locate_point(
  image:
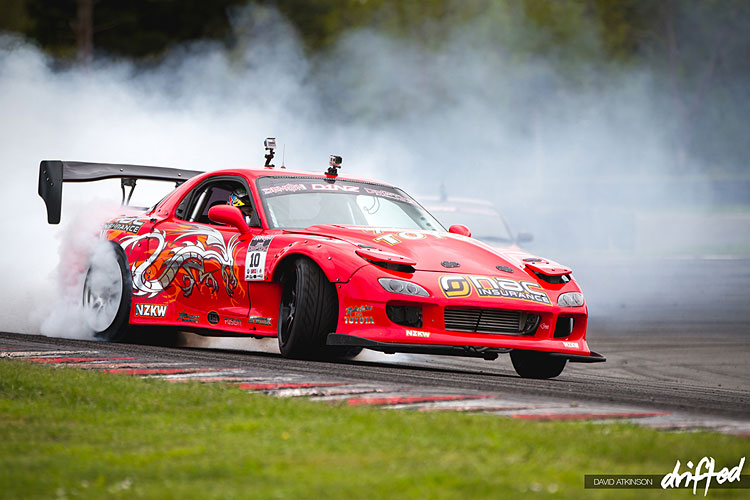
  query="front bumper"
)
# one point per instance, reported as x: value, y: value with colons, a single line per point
x: 364, y: 322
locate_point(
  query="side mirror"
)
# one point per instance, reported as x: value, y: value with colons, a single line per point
x: 460, y: 229
x: 524, y: 238
x: 229, y: 215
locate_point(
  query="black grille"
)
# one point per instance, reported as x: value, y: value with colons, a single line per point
x: 564, y: 327
x: 500, y: 321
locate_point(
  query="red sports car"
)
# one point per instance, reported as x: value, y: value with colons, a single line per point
x: 329, y: 264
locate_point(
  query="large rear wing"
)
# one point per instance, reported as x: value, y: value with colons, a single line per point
x: 52, y: 174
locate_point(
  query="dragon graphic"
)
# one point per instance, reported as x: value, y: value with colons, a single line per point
x: 195, y: 248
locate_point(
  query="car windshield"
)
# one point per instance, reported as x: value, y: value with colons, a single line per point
x: 486, y: 223
x: 299, y: 202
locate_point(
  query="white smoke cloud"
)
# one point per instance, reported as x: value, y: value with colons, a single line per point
x: 467, y: 115
x: 80, y: 249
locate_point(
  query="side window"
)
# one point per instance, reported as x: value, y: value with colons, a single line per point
x: 212, y: 196
x: 195, y: 207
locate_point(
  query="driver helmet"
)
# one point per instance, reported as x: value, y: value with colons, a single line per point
x: 241, y: 200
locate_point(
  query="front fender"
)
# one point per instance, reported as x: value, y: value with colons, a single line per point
x: 336, y: 258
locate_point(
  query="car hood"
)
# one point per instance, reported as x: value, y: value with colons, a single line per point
x: 434, y: 251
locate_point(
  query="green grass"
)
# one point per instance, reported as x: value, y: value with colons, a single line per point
x: 67, y: 432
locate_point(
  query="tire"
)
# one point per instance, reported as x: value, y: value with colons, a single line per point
x: 308, y: 312
x: 535, y: 364
x: 107, y: 295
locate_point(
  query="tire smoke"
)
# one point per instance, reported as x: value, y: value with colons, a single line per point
x: 589, y: 168
x: 80, y: 249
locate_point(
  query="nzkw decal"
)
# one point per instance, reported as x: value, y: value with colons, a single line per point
x: 150, y: 310
x: 456, y: 286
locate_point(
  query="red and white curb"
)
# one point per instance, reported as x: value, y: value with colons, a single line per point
x: 381, y: 395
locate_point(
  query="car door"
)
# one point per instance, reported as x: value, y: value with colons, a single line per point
x: 203, y: 262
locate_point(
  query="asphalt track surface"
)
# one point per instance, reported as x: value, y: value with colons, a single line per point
x: 676, y: 333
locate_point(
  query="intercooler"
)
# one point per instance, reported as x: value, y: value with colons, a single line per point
x: 498, y: 321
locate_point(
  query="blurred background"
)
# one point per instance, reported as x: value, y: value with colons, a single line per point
x: 616, y: 132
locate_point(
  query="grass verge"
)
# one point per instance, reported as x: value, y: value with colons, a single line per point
x: 72, y: 433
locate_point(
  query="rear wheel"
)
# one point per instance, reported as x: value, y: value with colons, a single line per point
x: 535, y: 364
x: 308, y: 313
x: 107, y: 294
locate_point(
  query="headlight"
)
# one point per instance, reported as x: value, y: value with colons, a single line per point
x: 403, y: 287
x: 570, y: 299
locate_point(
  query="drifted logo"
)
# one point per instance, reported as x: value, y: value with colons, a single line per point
x: 150, y: 310
x: 213, y: 317
x: 705, y: 470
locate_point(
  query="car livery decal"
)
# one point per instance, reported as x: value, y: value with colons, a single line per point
x: 188, y: 318
x: 190, y: 252
x: 255, y: 264
x: 286, y: 187
x: 150, y: 310
x: 354, y: 315
x: 126, y: 224
x: 259, y: 320
x: 393, y: 238
x: 460, y: 286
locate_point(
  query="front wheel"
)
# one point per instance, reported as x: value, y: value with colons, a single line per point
x: 535, y: 364
x: 308, y: 313
x: 107, y: 293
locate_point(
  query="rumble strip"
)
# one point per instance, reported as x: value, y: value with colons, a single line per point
x: 388, y: 396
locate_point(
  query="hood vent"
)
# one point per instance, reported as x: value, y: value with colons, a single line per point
x: 554, y: 280
x: 393, y: 266
x: 450, y: 264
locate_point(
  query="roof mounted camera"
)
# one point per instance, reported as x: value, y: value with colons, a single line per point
x: 334, y: 164
x: 270, y: 145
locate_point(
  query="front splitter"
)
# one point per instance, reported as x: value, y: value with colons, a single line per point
x: 488, y: 353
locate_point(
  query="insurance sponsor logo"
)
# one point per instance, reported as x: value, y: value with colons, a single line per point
x: 127, y: 224
x: 459, y: 286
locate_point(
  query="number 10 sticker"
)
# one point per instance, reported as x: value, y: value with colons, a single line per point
x: 255, y: 264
